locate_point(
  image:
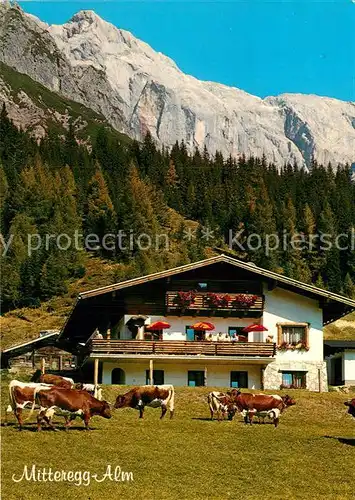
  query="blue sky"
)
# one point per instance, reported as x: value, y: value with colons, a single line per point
x: 263, y: 47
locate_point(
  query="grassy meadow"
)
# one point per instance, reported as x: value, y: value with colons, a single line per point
x: 310, y: 455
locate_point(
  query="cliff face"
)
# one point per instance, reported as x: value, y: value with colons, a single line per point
x: 137, y: 89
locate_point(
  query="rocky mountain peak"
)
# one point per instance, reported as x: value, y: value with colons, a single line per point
x: 138, y: 89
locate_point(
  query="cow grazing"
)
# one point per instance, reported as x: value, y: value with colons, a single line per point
x: 57, y: 380
x: 154, y: 396
x: 234, y: 393
x: 69, y: 403
x: 94, y: 390
x: 222, y: 404
x: 351, y: 406
x: 261, y: 403
x: 21, y: 396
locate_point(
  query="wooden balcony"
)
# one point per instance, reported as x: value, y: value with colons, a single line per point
x: 181, y: 347
x: 201, y: 304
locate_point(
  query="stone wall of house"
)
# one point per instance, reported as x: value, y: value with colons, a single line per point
x: 273, y: 374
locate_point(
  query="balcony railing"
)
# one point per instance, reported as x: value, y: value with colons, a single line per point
x: 201, y: 303
x: 181, y: 347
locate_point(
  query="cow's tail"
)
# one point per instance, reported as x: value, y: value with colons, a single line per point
x: 172, y: 402
x: 12, y: 385
x: 36, y: 390
x: 12, y: 406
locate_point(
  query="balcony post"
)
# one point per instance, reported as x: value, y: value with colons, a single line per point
x: 151, y: 368
x: 262, y: 378
x: 205, y: 377
x: 96, y: 372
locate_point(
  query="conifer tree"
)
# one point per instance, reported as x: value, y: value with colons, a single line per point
x: 53, y: 277
x: 101, y: 218
x: 4, y: 192
x: 349, y: 287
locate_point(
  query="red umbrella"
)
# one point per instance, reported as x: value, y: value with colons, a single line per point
x: 158, y: 325
x: 255, y: 328
x: 203, y: 325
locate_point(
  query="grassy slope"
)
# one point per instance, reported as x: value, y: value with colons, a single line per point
x: 52, y: 102
x: 343, y: 329
x: 24, y: 324
x: 310, y: 455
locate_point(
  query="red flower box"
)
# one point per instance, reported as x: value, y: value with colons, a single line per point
x: 217, y: 300
x: 244, y: 300
x: 184, y: 299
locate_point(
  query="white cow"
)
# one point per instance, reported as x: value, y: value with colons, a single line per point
x: 21, y: 396
x: 94, y: 390
x: 222, y: 404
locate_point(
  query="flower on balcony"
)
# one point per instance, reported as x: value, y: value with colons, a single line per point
x: 224, y: 300
x: 215, y: 300
x: 284, y: 346
x: 212, y: 300
x: 292, y: 346
x: 302, y: 346
x: 184, y: 299
x: 244, y: 300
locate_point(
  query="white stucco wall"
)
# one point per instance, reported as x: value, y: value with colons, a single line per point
x: 349, y: 367
x: 282, y: 306
x: 218, y: 373
x: 178, y: 326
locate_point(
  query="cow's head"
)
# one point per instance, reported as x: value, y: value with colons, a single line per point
x: 351, y: 406
x: 234, y: 393
x: 229, y: 406
x: 231, y: 410
x: 120, y: 402
x: 105, y: 410
x: 288, y: 401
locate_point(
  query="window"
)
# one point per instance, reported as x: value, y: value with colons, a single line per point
x: 158, y: 377
x: 294, y: 380
x: 192, y: 334
x: 239, y: 379
x: 235, y: 329
x: 195, y: 378
x: 202, y: 286
x: 237, y: 333
x: 292, y: 333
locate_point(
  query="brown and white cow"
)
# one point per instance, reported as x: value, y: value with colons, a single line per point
x: 69, y: 403
x: 21, y: 396
x: 222, y: 404
x: 351, y: 405
x: 94, y: 390
x: 261, y: 403
x: 57, y: 380
x: 155, y: 396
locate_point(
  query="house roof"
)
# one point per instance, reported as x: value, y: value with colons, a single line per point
x: 341, y: 344
x: 92, y: 306
x: 46, y: 340
x: 248, y: 266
